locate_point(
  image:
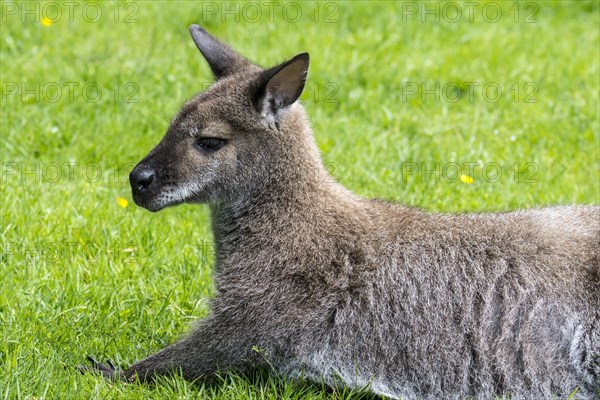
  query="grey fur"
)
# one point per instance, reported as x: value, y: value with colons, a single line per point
x: 330, y: 286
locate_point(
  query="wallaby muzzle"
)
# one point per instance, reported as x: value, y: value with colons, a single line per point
x: 144, y: 185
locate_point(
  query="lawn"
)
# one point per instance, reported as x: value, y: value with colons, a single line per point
x: 446, y: 106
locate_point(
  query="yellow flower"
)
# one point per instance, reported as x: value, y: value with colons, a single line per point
x: 122, y: 202
x: 466, y: 179
x: 47, y: 21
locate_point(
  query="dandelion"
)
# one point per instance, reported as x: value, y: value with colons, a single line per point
x: 466, y: 179
x: 122, y: 202
x: 47, y: 21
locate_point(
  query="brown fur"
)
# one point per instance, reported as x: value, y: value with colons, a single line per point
x: 334, y: 287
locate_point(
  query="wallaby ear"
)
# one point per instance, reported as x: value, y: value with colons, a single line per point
x: 282, y: 85
x: 222, y: 59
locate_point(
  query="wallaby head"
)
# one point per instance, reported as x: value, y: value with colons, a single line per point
x: 223, y: 142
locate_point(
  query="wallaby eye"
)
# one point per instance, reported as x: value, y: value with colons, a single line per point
x: 210, y: 144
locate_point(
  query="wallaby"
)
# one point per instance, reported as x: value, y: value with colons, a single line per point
x: 315, y: 282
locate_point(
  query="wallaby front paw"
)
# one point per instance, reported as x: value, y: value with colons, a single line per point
x: 108, y: 370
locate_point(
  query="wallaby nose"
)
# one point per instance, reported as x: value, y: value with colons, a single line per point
x: 141, y: 177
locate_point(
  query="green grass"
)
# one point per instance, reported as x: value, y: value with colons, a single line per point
x: 81, y: 275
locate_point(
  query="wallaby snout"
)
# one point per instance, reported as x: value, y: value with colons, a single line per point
x: 154, y: 180
x: 157, y: 181
x: 141, y: 179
